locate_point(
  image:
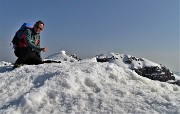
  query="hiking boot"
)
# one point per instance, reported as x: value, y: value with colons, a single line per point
x: 17, y: 65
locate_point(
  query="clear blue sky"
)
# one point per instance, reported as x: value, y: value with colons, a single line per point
x: 142, y: 28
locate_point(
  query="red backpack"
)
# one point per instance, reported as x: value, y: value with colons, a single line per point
x: 18, y: 40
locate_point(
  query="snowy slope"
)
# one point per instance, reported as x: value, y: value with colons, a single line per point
x: 84, y: 86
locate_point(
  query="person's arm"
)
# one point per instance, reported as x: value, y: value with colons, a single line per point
x: 27, y: 35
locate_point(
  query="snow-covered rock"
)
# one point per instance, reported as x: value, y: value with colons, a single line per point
x: 127, y: 61
x: 141, y: 66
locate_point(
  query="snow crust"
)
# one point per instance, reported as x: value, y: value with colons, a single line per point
x: 85, y: 86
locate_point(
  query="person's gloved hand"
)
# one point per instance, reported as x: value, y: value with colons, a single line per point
x: 44, y: 49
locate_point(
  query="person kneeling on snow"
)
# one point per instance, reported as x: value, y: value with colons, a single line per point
x: 30, y: 53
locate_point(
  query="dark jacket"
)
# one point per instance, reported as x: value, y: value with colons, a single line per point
x: 30, y: 54
x: 32, y: 40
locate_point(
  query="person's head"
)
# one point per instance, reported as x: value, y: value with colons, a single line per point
x: 38, y: 27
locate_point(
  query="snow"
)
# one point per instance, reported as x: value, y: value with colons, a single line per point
x: 120, y: 60
x: 85, y: 86
x: 61, y: 56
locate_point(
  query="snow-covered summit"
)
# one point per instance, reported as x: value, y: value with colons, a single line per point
x: 127, y: 61
x: 85, y: 86
x: 141, y: 66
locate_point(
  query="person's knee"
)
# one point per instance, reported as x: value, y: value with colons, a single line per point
x: 33, y: 60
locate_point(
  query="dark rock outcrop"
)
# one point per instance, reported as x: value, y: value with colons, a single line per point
x: 155, y: 73
x: 152, y: 72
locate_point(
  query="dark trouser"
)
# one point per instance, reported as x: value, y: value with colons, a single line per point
x: 27, y: 56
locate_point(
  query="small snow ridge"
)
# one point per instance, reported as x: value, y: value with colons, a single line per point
x: 63, y: 52
x: 62, y: 56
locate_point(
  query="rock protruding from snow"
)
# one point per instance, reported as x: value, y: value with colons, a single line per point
x: 141, y: 66
x: 126, y: 61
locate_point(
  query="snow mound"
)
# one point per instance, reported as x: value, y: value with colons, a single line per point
x: 85, y: 86
x: 62, y: 56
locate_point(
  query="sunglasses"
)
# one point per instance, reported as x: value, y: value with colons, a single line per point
x: 39, y: 27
